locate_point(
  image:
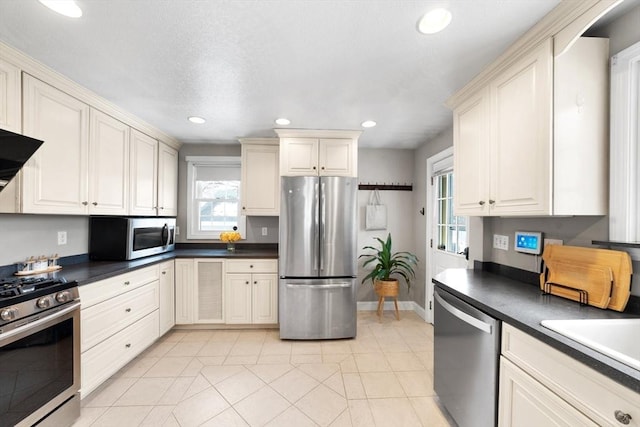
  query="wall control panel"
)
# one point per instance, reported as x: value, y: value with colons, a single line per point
x: 528, y: 242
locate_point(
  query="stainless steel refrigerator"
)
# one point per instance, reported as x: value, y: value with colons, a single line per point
x: 318, y: 257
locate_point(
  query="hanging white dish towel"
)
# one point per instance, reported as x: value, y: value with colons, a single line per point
x: 376, y: 213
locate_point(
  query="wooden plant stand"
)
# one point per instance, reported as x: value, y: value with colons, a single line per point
x: 387, y: 288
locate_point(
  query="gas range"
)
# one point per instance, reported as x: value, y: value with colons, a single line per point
x: 22, y: 297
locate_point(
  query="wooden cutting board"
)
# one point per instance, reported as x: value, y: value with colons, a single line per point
x: 588, y: 269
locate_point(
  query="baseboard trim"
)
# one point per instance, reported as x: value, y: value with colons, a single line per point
x: 388, y: 305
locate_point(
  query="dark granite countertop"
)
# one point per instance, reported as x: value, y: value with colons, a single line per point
x: 93, y: 271
x: 523, y: 306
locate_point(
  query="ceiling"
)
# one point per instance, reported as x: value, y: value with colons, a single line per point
x: 323, y: 64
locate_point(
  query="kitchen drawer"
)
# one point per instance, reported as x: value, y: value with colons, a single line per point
x: 100, y: 321
x: 97, y: 292
x: 251, y: 265
x: 592, y: 393
x: 106, y: 358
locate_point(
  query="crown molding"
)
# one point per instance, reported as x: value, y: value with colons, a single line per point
x: 312, y: 133
x: 59, y: 81
x: 566, y: 22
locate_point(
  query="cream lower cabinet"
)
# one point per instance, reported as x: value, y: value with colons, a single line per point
x: 199, y: 291
x: 167, y: 294
x: 541, y: 386
x: 118, y: 320
x: 516, y: 140
x: 260, y: 177
x: 251, y: 291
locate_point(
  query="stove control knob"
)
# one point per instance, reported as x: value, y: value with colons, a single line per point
x: 64, y: 296
x: 44, y: 302
x: 9, y: 313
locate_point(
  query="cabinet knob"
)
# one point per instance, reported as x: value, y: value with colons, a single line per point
x: 128, y: 345
x: 492, y: 202
x: 85, y: 203
x: 251, y: 266
x: 322, y: 168
x: 95, y: 203
x: 246, y: 283
x: 128, y: 310
x: 255, y: 282
x: 243, y: 208
x: 481, y: 202
x: 164, y: 272
x: 161, y: 208
x: 127, y: 283
x: 314, y: 168
x: 622, y: 417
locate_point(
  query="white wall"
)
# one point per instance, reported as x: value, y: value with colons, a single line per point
x: 388, y: 166
x: 33, y: 235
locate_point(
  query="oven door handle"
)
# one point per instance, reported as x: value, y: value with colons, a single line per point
x: 35, y: 324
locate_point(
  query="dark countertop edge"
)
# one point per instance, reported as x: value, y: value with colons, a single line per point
x: 94, y: 271
x: 611, y: 368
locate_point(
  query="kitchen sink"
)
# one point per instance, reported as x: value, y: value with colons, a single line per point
x: 616, y: 338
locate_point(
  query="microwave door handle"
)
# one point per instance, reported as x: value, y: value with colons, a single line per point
x: 165, y: 235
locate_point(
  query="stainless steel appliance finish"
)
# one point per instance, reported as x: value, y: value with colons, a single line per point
x: 466, y: 361
x: 126, y: 238
x: 39, y: 352
x: 318, y: 260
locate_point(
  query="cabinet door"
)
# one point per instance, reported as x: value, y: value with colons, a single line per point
x: 299, y: 156
x: 264, y: 298
x: 185, y: 302
x: 109, y: 165
x: 10, y: 99
x: 209, y: 291
x: 237, y: 298
x: 521, y: 172
x: 337, y: 157
x: 471, y: 161
x: 55, y: 178
x: 144, y: 174
x: 10, y: 119
x: 524, y: 401
x: 260, y: 179
x: 167, y: 296
x: 167, y: 181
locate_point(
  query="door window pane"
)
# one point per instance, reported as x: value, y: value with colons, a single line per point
x: 451, y: 229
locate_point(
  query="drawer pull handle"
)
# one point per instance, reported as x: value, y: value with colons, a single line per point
x: 621, y: 417
x: 128, y: 345
x: 127, y: 283
x: 128, y: 310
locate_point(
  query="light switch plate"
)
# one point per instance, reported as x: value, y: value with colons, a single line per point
x: 501, y: 242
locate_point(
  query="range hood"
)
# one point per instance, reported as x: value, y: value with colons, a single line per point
x: 15, y: 150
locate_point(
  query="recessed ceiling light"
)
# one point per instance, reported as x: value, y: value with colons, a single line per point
x: 198, y: 120
x: 64, y: 7
x: 434, y: 21
x: 368, y: 124
x: 283, y: 122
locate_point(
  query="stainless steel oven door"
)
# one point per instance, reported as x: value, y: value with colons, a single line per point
x: 39, y: 365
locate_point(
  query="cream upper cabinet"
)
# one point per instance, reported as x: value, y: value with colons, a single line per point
x: 10, y: 99
x: 108, y: 165
x: 260, y: 177
x: 11, y: 120
x: 144, y: 175
x: 516, y: 139
x: 167, y: 180
x: 55, y: 179
x: 317, y: 152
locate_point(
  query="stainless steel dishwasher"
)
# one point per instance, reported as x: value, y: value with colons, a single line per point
x: 466, y: 352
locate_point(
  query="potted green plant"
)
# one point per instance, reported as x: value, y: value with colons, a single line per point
x: 387, y: 268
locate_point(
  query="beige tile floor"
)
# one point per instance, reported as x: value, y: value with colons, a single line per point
x: 384, y: 377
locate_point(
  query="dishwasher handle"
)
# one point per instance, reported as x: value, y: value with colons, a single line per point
x: 467, y: 318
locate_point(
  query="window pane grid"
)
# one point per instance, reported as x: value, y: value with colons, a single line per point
x: 452, y: 231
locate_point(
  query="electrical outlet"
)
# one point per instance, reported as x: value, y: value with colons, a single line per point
x: 553, y: 242
x: 62, y: 237
x: 501, y: 242
x: 265, y: 231
x: 177, y: 230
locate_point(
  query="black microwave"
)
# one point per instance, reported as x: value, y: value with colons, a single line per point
x: 125, y: 238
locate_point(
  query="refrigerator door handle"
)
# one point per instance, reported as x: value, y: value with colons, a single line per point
x: 323, y: 215
x: 316, y: 233
x: 332, y: 286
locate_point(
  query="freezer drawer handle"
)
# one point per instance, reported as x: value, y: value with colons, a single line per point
x: 338, y: 285
x: 476, y: 323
